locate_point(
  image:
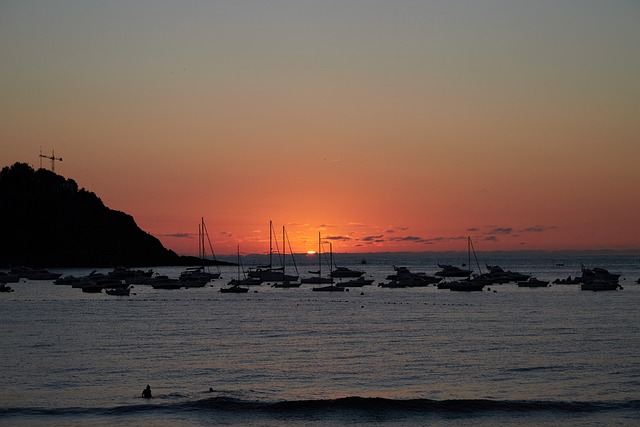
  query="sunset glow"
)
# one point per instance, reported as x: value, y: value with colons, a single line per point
x: 386, y: 126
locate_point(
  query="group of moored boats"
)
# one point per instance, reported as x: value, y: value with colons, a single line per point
x: 277, y: 278
x: 465, y: 280
x: 121, y: 280
x: 116, y: 282
x: 17, y: 273
x: 595, y: 279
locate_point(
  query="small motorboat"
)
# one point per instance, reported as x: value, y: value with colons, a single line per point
x: 330, y: 288
x: 235, y: 289
x: 344, y: 272
x: 567, y: 281
x: 355, y: 283
x: 164, y: 282
x: 600, y: 286
x: 466, y: 286
x: 286, y: 284
x: 92, y: 289
x: 452, y: 271
x: 194, y: 282
x: 5, y: 288
x: 532, y: 282
x: 125, y: 292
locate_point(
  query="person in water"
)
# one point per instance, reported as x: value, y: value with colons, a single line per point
x: 146, y: 393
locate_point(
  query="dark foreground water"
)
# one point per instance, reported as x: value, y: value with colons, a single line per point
x: 374, y: 356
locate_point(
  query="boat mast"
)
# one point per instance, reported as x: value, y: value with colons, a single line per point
x: 202, y: 240
x: 469, y: 255
x: 270, y: 244
x: 333, y: 264
x: 199, y: 243
x: 475, y: 256
x: 238, y: 264
x: 213, y: 254
x: 290, y: 250
x: 319, y: 256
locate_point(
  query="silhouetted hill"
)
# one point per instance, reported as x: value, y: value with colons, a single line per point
x: 45, y: 220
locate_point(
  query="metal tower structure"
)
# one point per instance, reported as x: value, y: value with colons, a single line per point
x: 53, y: 159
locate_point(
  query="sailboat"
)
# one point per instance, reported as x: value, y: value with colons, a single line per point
x: 468, y: 285
x: 199, y: 276
x: 269, y: 273
x: 244, y: 281
x: 287, y: 283
x: 234, y: 287
x: 321, y: 280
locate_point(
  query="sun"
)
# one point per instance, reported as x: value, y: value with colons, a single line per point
x: 311, y: 252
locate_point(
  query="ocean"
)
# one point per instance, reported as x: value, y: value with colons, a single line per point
x: 370, y: 356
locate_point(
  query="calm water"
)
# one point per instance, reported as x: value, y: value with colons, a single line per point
x: 374, y: 356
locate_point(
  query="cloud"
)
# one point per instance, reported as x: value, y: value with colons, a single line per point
x: 493, y: 232
x: 426, y: 241
x: 340, y: 238
x: 472, y: 229
x: 394, y: 228
x: 538, y: 229
x: 501, y: 230
x: 180, y: 235
x: 377, y: 239
x: 407, y: 239
x: 442, y: 239
x: 325, y: 226
x: 534, y: 229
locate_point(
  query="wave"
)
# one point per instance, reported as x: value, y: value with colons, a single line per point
x: 377, y: 404
x: 536, y: 368
x: 363, y: 405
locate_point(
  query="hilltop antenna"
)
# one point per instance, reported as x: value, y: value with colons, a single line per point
x: 53, y: 159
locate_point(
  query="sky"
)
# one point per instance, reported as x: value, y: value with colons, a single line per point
x: 400, y: 125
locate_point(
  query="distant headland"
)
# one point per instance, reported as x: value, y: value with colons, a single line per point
x: 45, y: 220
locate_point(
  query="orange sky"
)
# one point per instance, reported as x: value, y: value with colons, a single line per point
x: 387, y: 126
